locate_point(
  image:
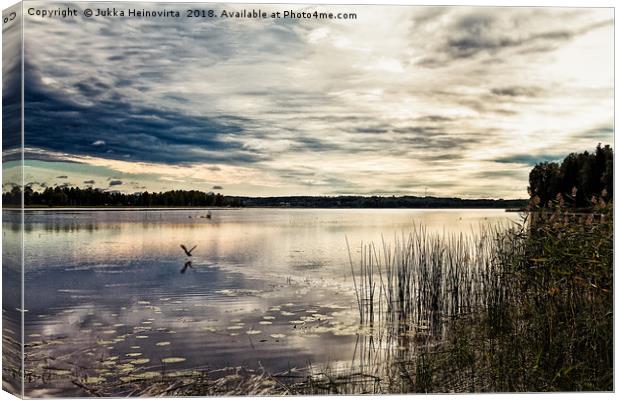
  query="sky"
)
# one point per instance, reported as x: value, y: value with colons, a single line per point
x: 441, y: 101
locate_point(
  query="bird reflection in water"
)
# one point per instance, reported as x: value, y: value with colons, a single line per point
x: 187, y: 265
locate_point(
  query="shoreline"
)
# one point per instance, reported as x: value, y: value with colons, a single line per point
x: 104, y: 208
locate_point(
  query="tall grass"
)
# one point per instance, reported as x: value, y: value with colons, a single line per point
x: 421, y: 280
x: 525, y: 308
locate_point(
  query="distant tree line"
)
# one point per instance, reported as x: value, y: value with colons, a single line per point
x: 89, y: 197
x: 378, y: 202
x: 575, y: 180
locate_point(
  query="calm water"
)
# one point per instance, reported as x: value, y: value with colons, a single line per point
x: 109, y: 291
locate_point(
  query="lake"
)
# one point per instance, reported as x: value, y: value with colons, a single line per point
x: 109, y: 292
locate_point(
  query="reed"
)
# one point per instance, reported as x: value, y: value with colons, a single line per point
x: 521, y: 308
x: 421, y: 280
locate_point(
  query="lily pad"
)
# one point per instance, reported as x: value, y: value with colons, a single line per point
x: 172, y: 360
x: 147, y: 375
x: 235, y: 327
x: 124, y: 368
x: 182, y: 374
x: 93, y: 380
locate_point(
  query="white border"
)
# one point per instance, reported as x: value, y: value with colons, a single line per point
x: 529, y: 3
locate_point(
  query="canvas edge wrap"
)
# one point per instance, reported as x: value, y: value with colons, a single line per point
x: 12, y: 210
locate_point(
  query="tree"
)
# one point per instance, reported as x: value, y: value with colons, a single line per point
x: 575, y: 180
x: 544, y: 181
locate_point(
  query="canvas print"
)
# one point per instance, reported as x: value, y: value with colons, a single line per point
x: 211, y: 199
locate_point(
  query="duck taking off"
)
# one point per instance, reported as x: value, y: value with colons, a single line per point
x: 188, y: 252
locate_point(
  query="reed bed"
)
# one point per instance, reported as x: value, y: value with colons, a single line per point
x: 416, y: 295
x: 507, y: 309
x: 421, y: 280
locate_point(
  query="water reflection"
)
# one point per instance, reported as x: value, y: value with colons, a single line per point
x: 11, y: 301
x: 188, y: 264
x: 110, y: 293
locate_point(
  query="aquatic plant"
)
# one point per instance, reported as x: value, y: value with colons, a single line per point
x: 525, y: 308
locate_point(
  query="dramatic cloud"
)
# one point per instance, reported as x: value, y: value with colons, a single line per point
x: 457, y: 101
x: 467, y: 33
x: 516, y: 91
x: 132, y: 132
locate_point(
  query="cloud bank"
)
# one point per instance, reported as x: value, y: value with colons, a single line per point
x: 454, y: 101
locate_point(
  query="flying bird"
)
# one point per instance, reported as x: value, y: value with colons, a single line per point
x: 188, y: 252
